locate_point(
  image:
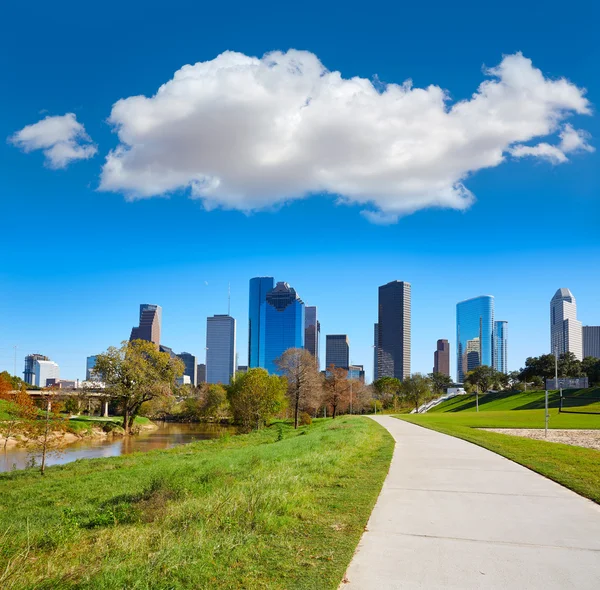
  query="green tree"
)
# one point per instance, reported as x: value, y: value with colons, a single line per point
x: 591, y: 367
x: 484, y: 378
x: 255, y: 397
x: 304, y: 382
x: 540, y: 366
x: 569, y: 365
x: 135, y: 373
x: 416, y: 389
x: 439, y: 382
x: 214, y: 405
x: 387, y: 390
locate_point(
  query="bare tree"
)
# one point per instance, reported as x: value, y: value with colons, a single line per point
x: 304, y: 383
x: 337, y: 388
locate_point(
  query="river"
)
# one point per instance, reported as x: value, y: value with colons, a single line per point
x: 166, y: 436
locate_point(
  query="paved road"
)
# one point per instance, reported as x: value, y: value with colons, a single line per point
x: 454, y: 515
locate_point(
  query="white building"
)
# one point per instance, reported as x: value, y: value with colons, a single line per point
x: 565, y: 330
x: 44, y: 370
x: 220, y: 345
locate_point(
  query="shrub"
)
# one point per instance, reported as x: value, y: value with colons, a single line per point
x: 305, y: 419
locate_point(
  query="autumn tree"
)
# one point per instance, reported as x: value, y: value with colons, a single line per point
x: 336, y: 388
x: 135, y: 373
x: 304, y: 383
x: 416, y: 389
x: 255, y: 397
x: 20, y: 410
x: 42, y: 431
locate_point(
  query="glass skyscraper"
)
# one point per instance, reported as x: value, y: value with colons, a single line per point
x: 337, y: 351
x: 259, y: 287
x: 474, y: 334
x: 150, y: 322
x: 500, y: 332
x: 283, y: 325
x: 220, y: 349
x: 312, y: 331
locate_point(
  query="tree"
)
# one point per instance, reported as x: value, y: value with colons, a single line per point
x: 484, y: 378
x: 255, y: 397
x: 439, y: 382
x: 304, y: 383
x: 214, y: 403
x: 591, y: 367
x: 20, y: 409
x: 416, y: 389
x: 569, y: 365
x: 336, y: 388
x: 387, y: 390
x: 45, y: 428
x: 540, y: 366
x: 136, y: 373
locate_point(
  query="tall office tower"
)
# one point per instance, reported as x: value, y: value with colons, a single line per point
x: 150, y: 321
x: 189, y: 362
x: 312, y: 331
x: 500, y: 347
x: 393, y: 338
x: 375, y: 350
x: 474, y: 334
x: 337, y: 351
x: 441, y: 358
x: 591, y: 341
x: 220, y: 353
x: 90, y: 363
x: 566, y: 334
x: 284, y: 325
x: 46, y: 372
x: 200, y: 374
x: 259, y: 287
x: 29, y: 372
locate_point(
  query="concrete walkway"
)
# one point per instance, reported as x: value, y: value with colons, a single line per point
x: 454, y: 515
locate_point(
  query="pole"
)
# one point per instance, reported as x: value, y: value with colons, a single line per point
x: 546, y: 426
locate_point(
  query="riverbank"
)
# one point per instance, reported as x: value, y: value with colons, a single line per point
x: 278, y: 508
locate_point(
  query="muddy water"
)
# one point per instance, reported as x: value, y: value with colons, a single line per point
x: 166, y: 436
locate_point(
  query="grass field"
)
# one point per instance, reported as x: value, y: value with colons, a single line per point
x: 574, y: 467
x: 248, y: 511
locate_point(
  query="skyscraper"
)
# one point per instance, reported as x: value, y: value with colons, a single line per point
x: 189, y: 362
x: 259, y: 287
x: 393, y: 332
x: 441, y: 358
x: 566, y: 334
x: 312, y: 331
x: 591, y: 341
x: 375, y: 350
x: 220, y: 353
x: 46, y: 372
x: 283, y: 327
x: 200, y: 374
x: 500, y: 346
x: 90, y: 363
x: 29, y: 372
x: 150, y: 322
x: 474, y: 334
x: 337, y: 351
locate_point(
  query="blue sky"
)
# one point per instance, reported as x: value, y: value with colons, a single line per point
x: 76, y: 261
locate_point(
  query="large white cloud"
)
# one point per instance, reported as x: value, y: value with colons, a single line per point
x: 245, y: 133
x: 62, y: 138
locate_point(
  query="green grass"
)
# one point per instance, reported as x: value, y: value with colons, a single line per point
x: 247, y: 511
x: 574, y: 467
x: 528, y: 400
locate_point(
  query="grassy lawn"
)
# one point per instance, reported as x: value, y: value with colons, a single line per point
x: 247, y: 511
x: 576, y: 468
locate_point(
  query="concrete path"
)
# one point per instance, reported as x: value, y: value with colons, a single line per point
x: 454, y: 515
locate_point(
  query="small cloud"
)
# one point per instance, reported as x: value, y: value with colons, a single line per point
x: 62, y: 138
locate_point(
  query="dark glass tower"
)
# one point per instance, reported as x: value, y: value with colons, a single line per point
x: 474, y: 334
x: 393, y: 331
x: 259, y: 287
x: 441, y: 358
x: 283, y: 325
x: 337, y: 351
x: 312, y: 331
x: 150, y: 321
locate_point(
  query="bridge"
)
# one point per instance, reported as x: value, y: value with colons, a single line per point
x: 86, y: 394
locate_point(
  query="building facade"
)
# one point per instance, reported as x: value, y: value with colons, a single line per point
x: 566, y: 334
x: 201, y: 373
x: 189, y: 362
x: 150, y: 324
x: 284, y: 325
x: 474, y: 334
x: 356, y: 372
x: 591, y: 341
x: 375, y: 350
x: 500, y: 346
x: 46, y: 373
x: 312, y: 331
x: 90, y: 363
x: 337, y: 351
x: 29, y: 372
x: 393, y: 332
x: 441, y: 358
x: 259, y: 287
x: 220, y: 349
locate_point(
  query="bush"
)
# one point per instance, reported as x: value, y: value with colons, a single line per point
x: 305, y: 419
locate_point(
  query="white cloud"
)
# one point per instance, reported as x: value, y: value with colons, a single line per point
x: 246, y: 133
x: 62, y: 138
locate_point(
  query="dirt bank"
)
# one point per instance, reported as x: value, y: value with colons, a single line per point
x: 580, y: 438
